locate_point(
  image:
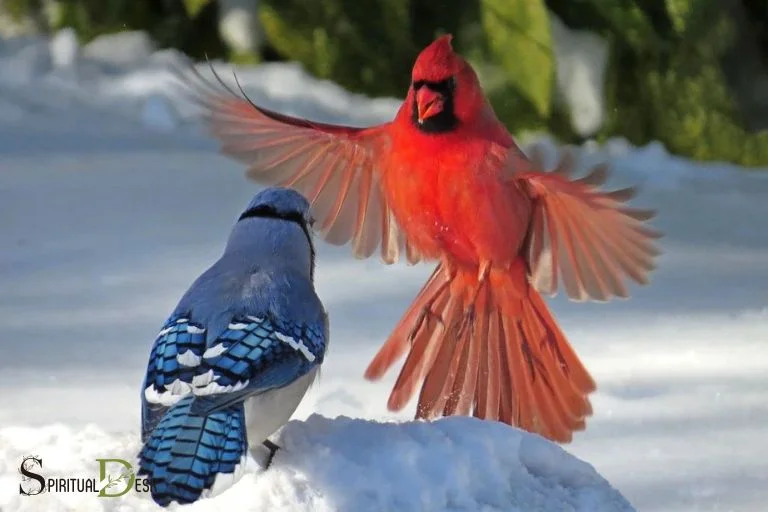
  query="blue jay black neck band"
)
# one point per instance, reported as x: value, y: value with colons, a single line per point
x: 270, y: 212
x: 266, y: 210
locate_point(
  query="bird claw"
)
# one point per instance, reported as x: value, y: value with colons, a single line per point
x: 272, y: 447
x: 425, y: 315
x: 468, y: 320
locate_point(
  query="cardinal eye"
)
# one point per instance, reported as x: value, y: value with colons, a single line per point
x: 452, y: 83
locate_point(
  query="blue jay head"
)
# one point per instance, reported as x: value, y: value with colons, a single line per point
x: 283, y: 204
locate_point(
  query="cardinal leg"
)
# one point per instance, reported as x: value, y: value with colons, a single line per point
x: 468, y: 320
x: 427, y: 313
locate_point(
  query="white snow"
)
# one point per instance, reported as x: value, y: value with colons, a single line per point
x: 452, y: 464
x: 106, y: 223
x: 125, y: 49
x: 64, y: 48
x: 581, y: 60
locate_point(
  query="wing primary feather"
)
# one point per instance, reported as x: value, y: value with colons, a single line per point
x: 584, y: 256
x: 338, y: 204
x: 621, y: 195
x: 240, y: 87
x: 596, y: 177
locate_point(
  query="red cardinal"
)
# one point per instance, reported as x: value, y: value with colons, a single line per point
x: 445, y: 181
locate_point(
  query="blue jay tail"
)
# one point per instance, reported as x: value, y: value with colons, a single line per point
x: 186, y: 452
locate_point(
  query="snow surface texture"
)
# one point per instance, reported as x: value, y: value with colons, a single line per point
x: 109, y: 214
x: 344, y: 464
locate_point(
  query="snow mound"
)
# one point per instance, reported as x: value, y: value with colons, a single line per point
x: 342, y: 464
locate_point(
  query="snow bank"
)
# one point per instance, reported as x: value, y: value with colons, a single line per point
x: 123, y: 78
x: 343, y: 465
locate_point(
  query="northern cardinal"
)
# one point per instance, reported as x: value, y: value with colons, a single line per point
x: 445, y: 181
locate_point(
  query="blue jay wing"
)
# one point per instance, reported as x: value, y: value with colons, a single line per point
x: 173, y: 363
x: 254, y: 355
x: 250, y: 356
x: 194, y: 420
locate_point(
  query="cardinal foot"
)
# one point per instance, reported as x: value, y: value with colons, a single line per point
x: 425, y: 315
x: 468, y: 321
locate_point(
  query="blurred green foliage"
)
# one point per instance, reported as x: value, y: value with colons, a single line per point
x: 168, y: 22
x: 194, y: 7
x: 17, y: 9
x: 667, y: 78
x: 522, y: 28
x: 365, y: 46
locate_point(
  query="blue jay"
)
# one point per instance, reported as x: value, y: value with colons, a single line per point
x: 235, y: 358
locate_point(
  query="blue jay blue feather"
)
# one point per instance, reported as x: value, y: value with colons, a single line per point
x: 189, y: 450
x: 251, y: 326
x: 177, y: 350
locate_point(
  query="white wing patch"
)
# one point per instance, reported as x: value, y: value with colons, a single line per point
x: 203, y: 379
x: 202, y: 385
x: 215, y: 351
x: 214, y: 388
x: 165, y: 331
x: 205, y: 384
x: 177, y: 390
x: 237, y: 326
x: 190, y: 328
x: 188, y: 359
x: 296, y: 345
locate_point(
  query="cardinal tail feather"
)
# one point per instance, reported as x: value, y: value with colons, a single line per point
x: 493, y: 351
x: 544, y: 384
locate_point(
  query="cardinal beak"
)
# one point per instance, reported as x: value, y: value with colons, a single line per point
x: 428, y: 103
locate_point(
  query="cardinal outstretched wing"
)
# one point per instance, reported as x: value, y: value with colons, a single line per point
x: 584, y: 237
x: 335, y: 167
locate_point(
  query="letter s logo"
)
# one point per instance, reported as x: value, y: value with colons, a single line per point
x: 26, y: 467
